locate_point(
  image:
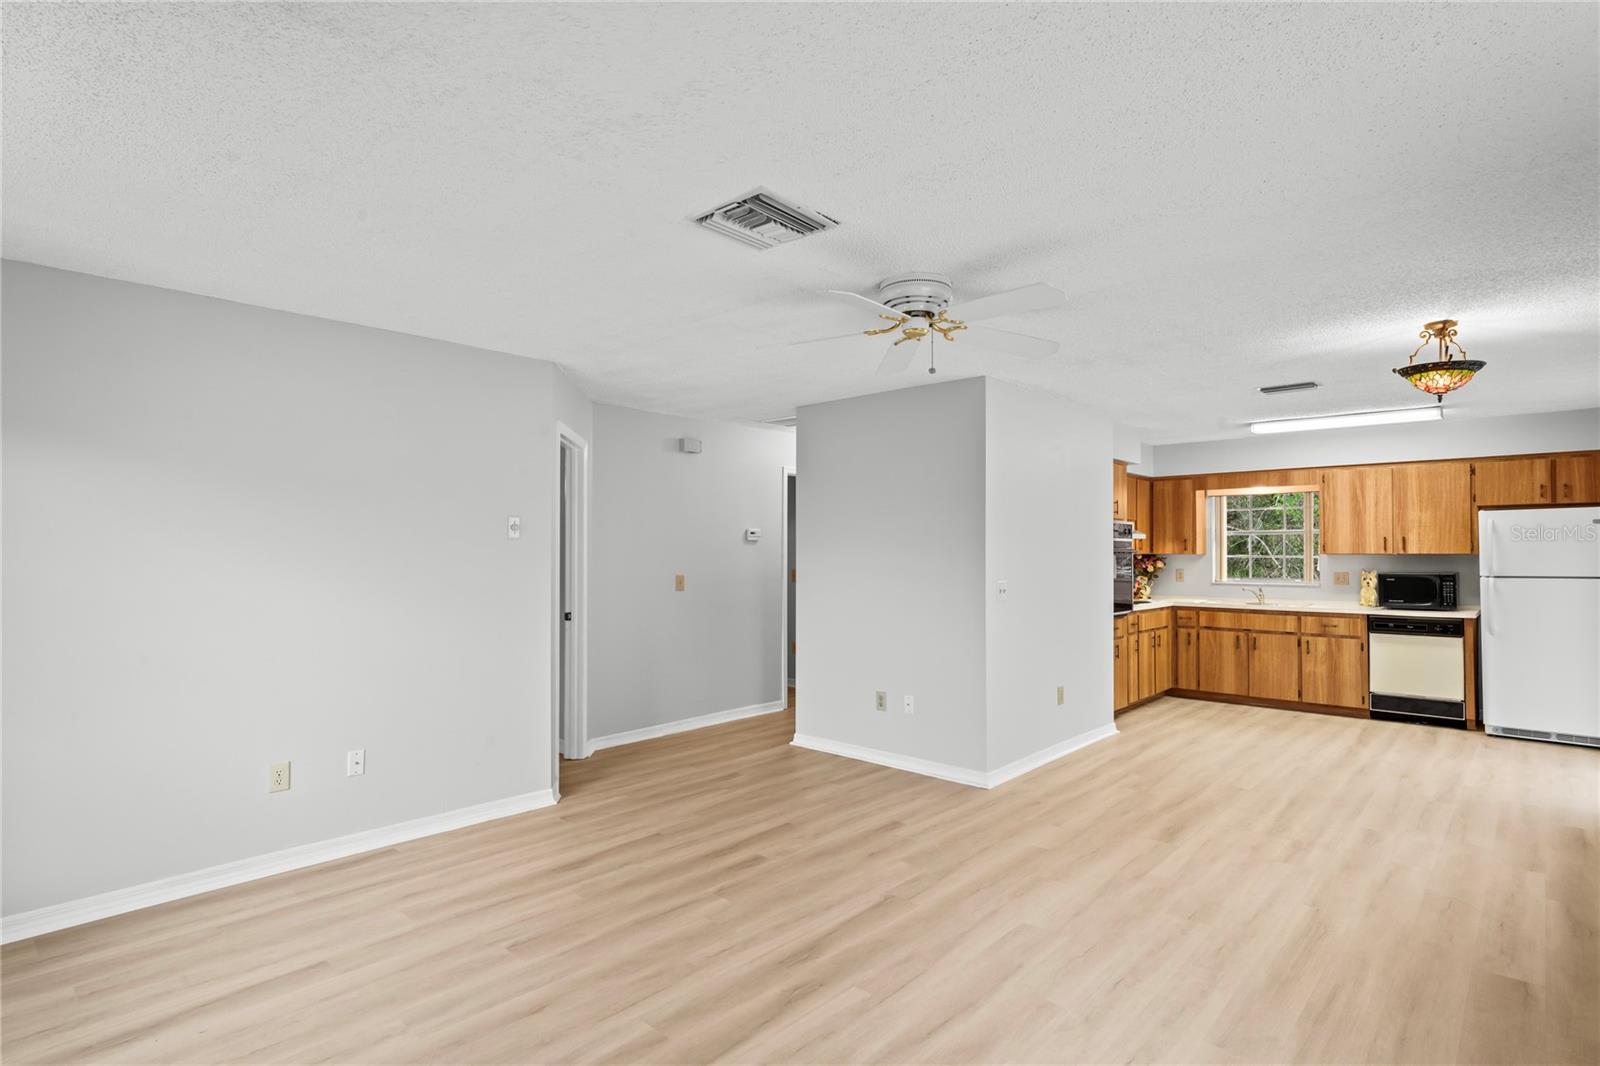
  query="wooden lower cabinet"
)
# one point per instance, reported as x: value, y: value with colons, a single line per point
x: 1333, y: 671
x: 1144, y: 664
x: 1224, y: 662
x: 1275, y: 666
x: 1123, y: 651
x: 1186, y: 652
x: 1147, y: 666
x: 1318, y: 659
x: 1163, y: 666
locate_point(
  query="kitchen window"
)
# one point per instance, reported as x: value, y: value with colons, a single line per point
x: 1267, y: 536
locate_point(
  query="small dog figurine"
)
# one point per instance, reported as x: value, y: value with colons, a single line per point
x: 1369, y: 588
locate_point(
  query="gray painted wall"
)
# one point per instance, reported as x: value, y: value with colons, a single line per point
x: 1045, y: 459
x: 657, y: 656
x: 234, y: 536
x: 890, y: 507
x: 1453, y: 438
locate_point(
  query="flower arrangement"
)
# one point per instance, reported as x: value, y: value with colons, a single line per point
x: 1145, y: 569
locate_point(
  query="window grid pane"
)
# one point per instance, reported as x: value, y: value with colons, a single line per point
x: 1271, y: 536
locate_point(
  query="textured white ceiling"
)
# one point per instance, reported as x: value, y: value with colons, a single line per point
x: 1231, y: 196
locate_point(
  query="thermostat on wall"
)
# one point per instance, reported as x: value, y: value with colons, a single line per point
x: 752, y: 534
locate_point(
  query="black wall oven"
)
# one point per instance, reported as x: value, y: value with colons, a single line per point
x: 1121, y: 567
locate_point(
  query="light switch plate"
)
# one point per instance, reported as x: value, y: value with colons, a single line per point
x: 355, y: 762
x: 1061, y: 695
x: 677, y: 583
x: 911, y: 705
x: 513, y: 527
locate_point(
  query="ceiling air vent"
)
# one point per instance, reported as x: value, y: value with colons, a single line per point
x: 763, y: 219
x: 1295, y: 386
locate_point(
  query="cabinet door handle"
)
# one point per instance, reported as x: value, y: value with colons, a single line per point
x: 1402, y: 542
x: 1236, y: 641
x: 1255, y: 643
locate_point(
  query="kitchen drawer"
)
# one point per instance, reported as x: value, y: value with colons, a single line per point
x: 1119, y: 626
x: 1254, y: 621
x: 1334, y: 625
x: 1144, y: 621
x: 1186, y: 616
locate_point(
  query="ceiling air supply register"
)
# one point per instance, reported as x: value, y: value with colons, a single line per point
x: 762, y: 219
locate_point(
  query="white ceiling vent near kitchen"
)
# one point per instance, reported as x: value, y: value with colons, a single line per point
x: 763, y: 219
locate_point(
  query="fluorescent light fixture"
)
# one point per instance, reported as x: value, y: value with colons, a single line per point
x: 1359, y: 418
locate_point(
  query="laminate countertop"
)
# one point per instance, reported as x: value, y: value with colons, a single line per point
x: 1298, y: 607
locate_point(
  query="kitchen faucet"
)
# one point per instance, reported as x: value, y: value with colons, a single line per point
x: 1259, y: 593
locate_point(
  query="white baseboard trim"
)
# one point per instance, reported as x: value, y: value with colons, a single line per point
x: 122, y: 900
x: 684, y: 725
x: 1039, y: 758
x: 961, y: 775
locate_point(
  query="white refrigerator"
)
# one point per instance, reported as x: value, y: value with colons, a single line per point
x: 1539, y: 592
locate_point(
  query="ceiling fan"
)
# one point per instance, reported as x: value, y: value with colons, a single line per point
x: 920, y: 307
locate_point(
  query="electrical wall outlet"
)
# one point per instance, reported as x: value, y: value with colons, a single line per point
x: 355, y: 762
x: 513, y: 527
x: 1341, y: 577
x: 1061, y: 695
x: 911, y: 705
x: 1179, y: 574
x: 677, y: 582
x: 883, y: 700
x: 278, y: 777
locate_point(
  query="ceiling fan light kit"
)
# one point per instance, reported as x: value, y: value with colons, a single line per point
x: 916, y: 306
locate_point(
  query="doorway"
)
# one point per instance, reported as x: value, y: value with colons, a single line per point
x: 570, y: 725
x: 790, y: 585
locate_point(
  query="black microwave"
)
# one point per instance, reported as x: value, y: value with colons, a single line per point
x: 1417, y: 592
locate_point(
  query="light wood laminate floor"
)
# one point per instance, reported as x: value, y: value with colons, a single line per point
x: 1215, y: 884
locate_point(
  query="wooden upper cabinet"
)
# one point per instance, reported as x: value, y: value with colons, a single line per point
x: 1511, y: 482
x: 1432, y: 509
x: 1177, y: 524
x: 1577, y: 478
x: 1139, y: 502
x: 1357, y: 510
x: 1119, y: 490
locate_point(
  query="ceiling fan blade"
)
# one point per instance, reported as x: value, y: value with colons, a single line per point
x: 898, y: 357
x: 877, y: 307
x: 989, y: 339
x: 1035, y: 297
x: 836, y: 338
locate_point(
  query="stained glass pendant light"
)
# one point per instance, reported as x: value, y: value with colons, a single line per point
x: 1451, y: 370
